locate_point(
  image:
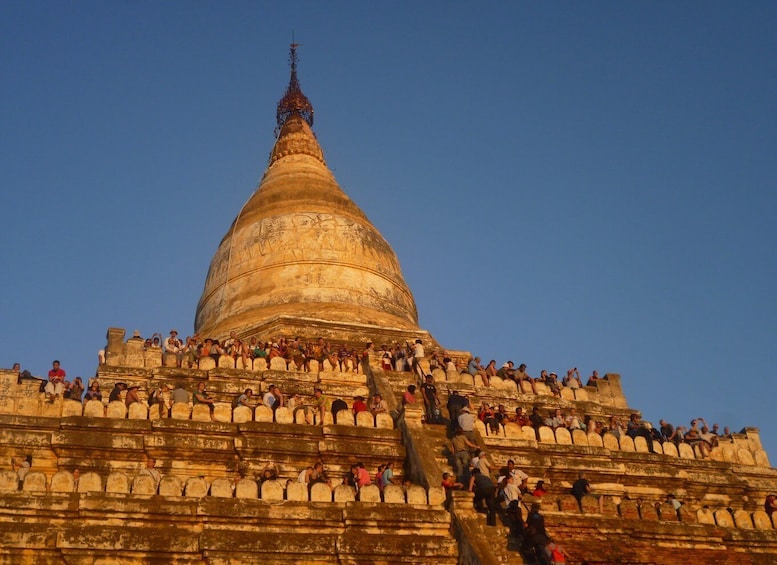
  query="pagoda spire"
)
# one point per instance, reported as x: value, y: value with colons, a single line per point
x: 294, y: 100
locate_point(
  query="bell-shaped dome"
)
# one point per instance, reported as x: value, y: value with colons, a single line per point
x: 300, y: 248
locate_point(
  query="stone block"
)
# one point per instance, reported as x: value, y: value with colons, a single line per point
x: 226, y: 362
x: 542, y: 388
x: 595, y: 440
x: 724, y: 519
x: 94, y: 409
x: 7, y: 405
x: 761, y: 520
x: 168, y: 360
x: 90, y: 482
x: 563, y: 437
x: 546, y: 435
x: 302, y: 415
x: 28, y: 406
x: 242, y: 414
x: 297, y: 491
x: 138, y: 411
x: 761, y: 458
x: 627, y: 509
x: 143, y: 484
x: 566, y: 503
x: 196, y: 487
x: 729, y: 453
x: 222, y: 488
x: 685, y: 451
x: 260, y: 365
x: 320, y: 492
x: 529, y: 433
x: 284, y: 416
x: 393, y: 494
x: 640, y: 445
x: 567, y: 393
x: 272, y: 490
x: 180, y: 411
x: 72, y: 408
x: 480, y: 427
x: 625, y: 443
x: 206, y: 363
x: 436, y: 496
x: 117, y: 483
x: 246, y: 488
x: 329, y: 368
x: 369, y: 493
x: 479, y: 381
x: 9, y: 481
x: 153, y: 358
x: 314, y: 366
x: 416, y: 494
x: 742, y: 520
x: 222, y: 413
x: 705, y: 516
x: 670, y: 449
x: 35, y: 481
x: 384, y: 421
x: 439, y: 375
x: 579, y: 437
x: 344, y: 493
x: 345, y: 418
x: 581, y: 394
x: 244, y: 364
x: 510, y: 386
x: 745, y: 457
x: 170, y: 485
x: 201, y: 413
x: 452, y: 376
x: 263, y: 414
x: 526, y: 387
x: 328, y: 419
x: 278, y: 364
x: 365, y: 420
x: 62, y: 481
x: 513, y: 430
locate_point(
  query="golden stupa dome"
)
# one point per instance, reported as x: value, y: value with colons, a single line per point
x: 300, y: 248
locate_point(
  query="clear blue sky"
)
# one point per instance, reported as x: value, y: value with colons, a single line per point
x: 586, y: 184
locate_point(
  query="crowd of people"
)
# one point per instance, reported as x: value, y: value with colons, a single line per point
x: 297, y: 352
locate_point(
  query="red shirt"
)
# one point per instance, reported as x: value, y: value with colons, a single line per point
x: 359, y: 406
x: 57, y: 376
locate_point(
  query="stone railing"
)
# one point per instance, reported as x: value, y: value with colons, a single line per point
x: 742, y: 450
x: 198, y: 487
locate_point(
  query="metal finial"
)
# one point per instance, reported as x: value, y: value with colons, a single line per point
x: 293, y: 101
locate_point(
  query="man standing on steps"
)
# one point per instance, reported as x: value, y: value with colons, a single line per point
x: 460, y: 447
x: 485, y: 491
x: 431, y: 401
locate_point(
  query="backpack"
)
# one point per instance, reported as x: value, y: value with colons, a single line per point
x: 153, y: 398
x: 236, y: 402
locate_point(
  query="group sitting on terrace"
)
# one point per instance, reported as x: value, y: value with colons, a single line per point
x: 297, y: 352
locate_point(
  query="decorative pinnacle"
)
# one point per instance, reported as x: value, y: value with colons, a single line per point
x: 293, y: 101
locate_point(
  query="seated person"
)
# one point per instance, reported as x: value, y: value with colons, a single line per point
x: 770, y: 505
x: 557, y: 420
x: 540, y: 490
x: 487, y: 415
x: 132, y: 396
x: 116, y: 392
x: 245, y: 399
x: 93, y: 393
x: 378, y: 405
x: 202, y: 397
x: 521, y: 375
x: 536, y: 418
x: 409, y: 396
x: 636, y: 428
x: 56, y: 385
x: 521, y: 418
x: 359, y: 405
x: 582, y: 488
x: 693, y: 437
x: 572, y: 380
x: 593, y: 378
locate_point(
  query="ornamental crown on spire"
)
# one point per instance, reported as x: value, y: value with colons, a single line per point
x: 293, y: 101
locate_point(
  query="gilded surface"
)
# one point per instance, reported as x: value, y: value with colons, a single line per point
x: 300, y: 247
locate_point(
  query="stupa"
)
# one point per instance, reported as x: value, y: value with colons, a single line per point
x: 300, y: 252
x: 153, y: 477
